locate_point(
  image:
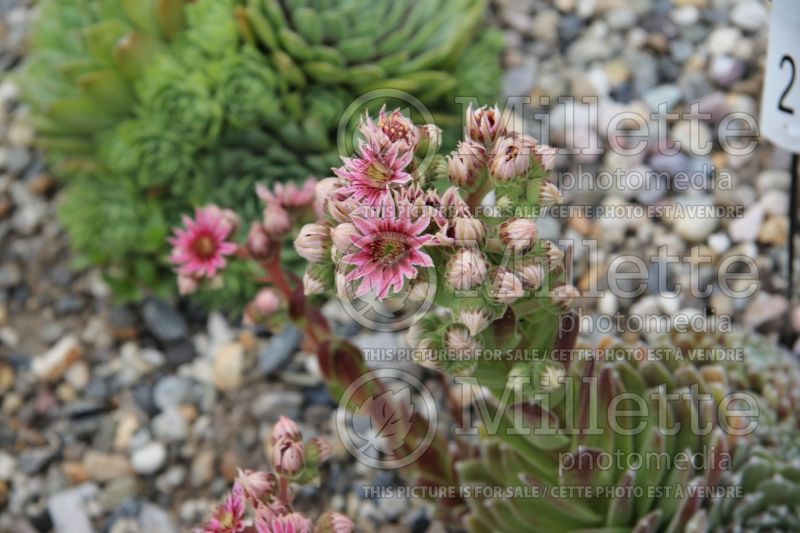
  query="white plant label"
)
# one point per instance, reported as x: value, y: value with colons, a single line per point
x: 780, y: 105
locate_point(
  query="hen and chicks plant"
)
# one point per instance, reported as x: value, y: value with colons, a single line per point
x: 149, y: 108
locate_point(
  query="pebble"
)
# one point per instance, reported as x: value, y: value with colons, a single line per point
x: 202, y: 468
x: 170, y: 426
x: 10, y: 275
x: 51, y: 365
x: 154, y: 519
x: 68, y: 509
x: 750, y: 15
x: 747, y: 227
x: 663, y: 94
x: 279, y: 350
x: 148, y: 459
x: 171, y: 391
x: 228, y: 366
x: 270, y: 405
x: 104, y: 467
x: 764, y: 308
x: 164, y: 321
x: 723, y: 40
x: 8, y: 465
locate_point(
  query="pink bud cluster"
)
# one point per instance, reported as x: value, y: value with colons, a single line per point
x: 269, y: 495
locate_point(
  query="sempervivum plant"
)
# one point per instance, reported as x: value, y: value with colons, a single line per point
x: 153, y: 107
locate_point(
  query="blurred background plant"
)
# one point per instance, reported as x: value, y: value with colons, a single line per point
x: 148, y: 108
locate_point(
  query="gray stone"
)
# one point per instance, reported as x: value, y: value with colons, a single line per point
x: 10, y: 275
x: 154, y: 519
x: 279, y: 350
x: 519, y: 81
x: 751, y: 15
x: 68, y: 510
x: 171, y: 391
x: 663, y: 94
x: 170, y: 426
x: 270, y: 405
x: 164, y: 321
x: 149, y: 459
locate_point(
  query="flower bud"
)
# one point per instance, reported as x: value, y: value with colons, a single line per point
x: 564, y: 296
x: 291, y: 523
x: 322, y: 194
x: 465, y: 163
x: 475, y: 320
x: 549, y: 195
x: 343, y: 236
x: 461, y: 344
x: 468, y: 231
x: 285, y: 428
x: 226, y: 216
x: 276, y: 219
x: 258, y: 241
x: 187, y: 284
x: 466, y: 270
x: 318, y: 450
x: 510, y: 159
x: 267, y: 302
x: 531, y: 275
x: 546, y: 156
x: 313, y: 242
x: 255, y: 484
x: 334, y: 523
x: 519, y: 233
x: 312, y: 284
x: 484, y: 124
x: 288, y: 457
x: 430, y: 137
x: 340, y: 210
x: 507, y: 287
x: 555, y: 256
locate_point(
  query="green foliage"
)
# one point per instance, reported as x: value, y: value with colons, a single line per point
x: 150, y: 107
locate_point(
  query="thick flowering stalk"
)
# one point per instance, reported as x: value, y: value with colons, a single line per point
x: 269, y: 495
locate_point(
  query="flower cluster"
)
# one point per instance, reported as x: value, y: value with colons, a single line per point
x: 270, y: 494
x: 388, y: 233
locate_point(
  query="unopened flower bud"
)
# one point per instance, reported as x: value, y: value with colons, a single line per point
x: 267, y: 302
x: 468, y: 231
x: 519, y: 233
x: 546, y: 156
x: 484, y: 124
x: 313, y: 242
x: 257, y: 241
x: 226, y: 216
x: 531, y: 275
x: 343, y: 236
x: 285, y: 428
x: 510, y: 159
x: 322, y: 194
x: 549, y: 195
x: 312, y: 284
x: 555, y: 256
x: 507, y: 287
x: 288, y: 457
x: 475, y: 320
x: 255, y: 484
x: 318, y: 450
x: 466, y: 270
x: 430, y: 137
x: 340, y: 210
x: 334, y: 523
x: 187, y: 284
x: 461, y: 344
x: 276, y: 219
x: 290, y: 523
x: 564, y: 296
x: 465, y: 163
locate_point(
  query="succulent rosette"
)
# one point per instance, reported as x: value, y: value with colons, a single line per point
x: 192, y: 102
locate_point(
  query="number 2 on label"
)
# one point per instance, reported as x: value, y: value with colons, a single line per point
x: 781, y: 105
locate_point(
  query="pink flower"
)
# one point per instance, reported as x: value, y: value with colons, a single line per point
x: 255, y: 484
x: 229, y: 516
x: 391, y: 129
x: 388, y: 252
x: 288, y: 195
x: 199, y: 249
x: 276, y: 219
x: 370, y: 176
